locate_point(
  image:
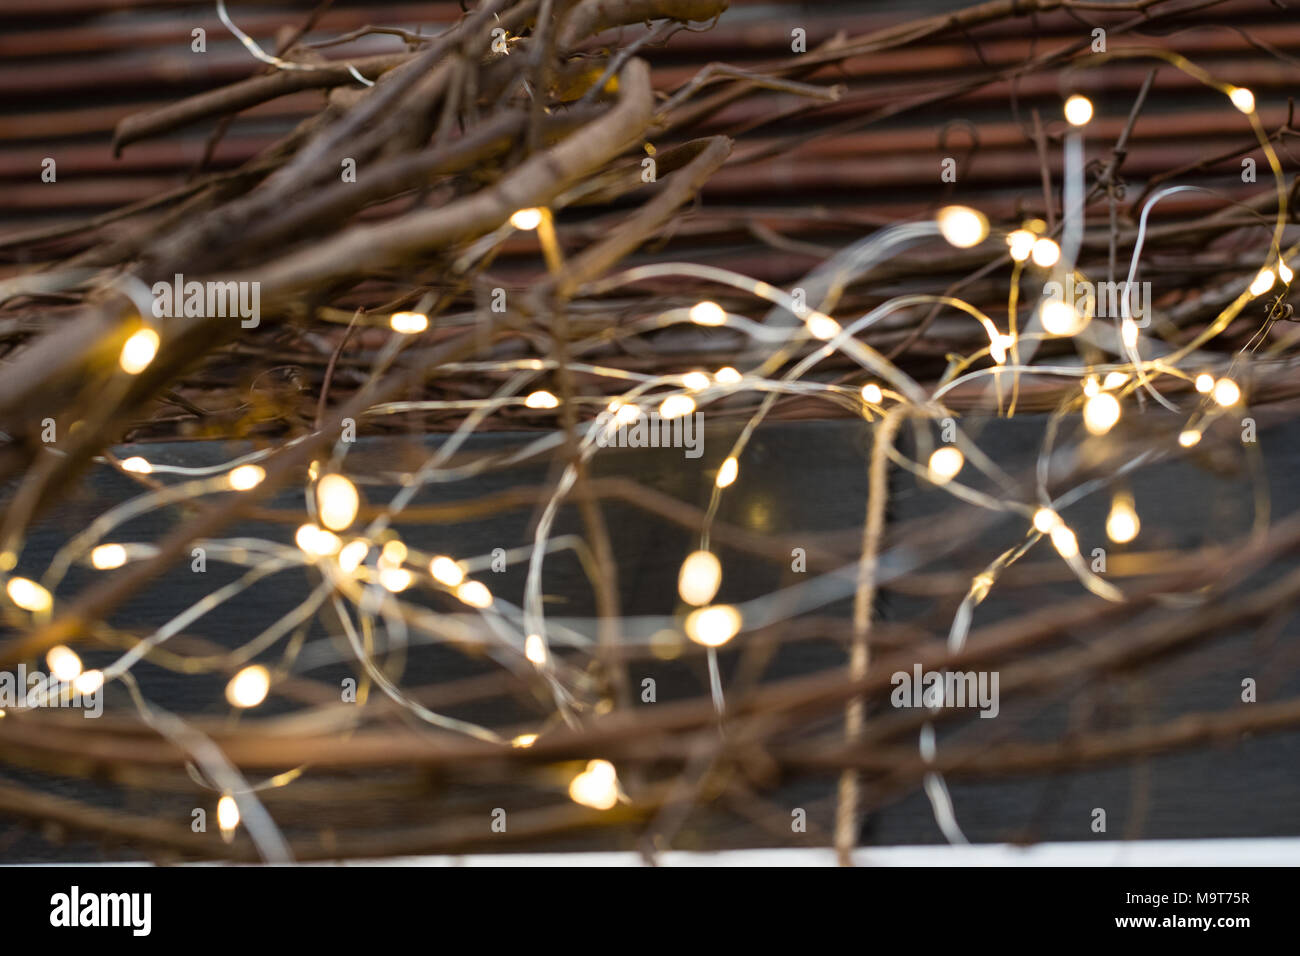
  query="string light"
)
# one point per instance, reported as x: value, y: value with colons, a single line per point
x: 1242, y: 98
x: 1045, y: 519
x: 137, y: 465
x: 227, y: 816
x: 1263, y: 282
x: 945, y: 463
x: 474, y: 594
x: 713, y: 626
x: 29, y: 595
x: 1189, y: 437
x: 138, y: 351
x: 696, y: 381
x: 822, y: 327
x: 1204, y: 383
x: 1078, y: 110
x: 1100, y: 413
x: 727, y: 376
x: 526, y: 220
x: 446, y: 571
x: 1122, y: 524
x: 535, y: 649
x: 871, y: 394
x: 1064, y: 541
x: 337, y: 502
x: 595, y: 787
x: 962, y: 226
x: 352, y: 554
x: 727, y: 473
x: 249, y: 687
x: 245, y: 477
x: 1226, y: 392
x: 1045, y: 252
x: 675, y: 406
x: 395, y: 580
x: 108, y: 556
x: 699, y: 578
x: 1061, y: 318
x: 63, y: 662
x: 542, y: 399
x: 1022, y: 244
x: 408, y: 323
x: 708, y: 313
x: 87, y: 682
x: 317, y: 541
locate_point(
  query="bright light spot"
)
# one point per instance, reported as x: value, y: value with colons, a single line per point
x: 713, y: 626
x: 227, y: 814
x: 1090, y: 386
x: 108, y: 556
x: 1284, y: 272
x: 541, y: 399
x: 524, y: 740
x: 395, y: 579
x: 1204, y: 382
x: 320, y: 542
x: 821, y: 326
x: 1061, y: 318
x: 1128, y: 333
x: 474, y: 594
x: 1100, y: 413
x: 708, y: 313
x: 1242, y: 98
x: 871, y: 394
x: 29, y: 595
x: 1045, y: 252
x: 409, y: 323
x: 137, y: 465
x: 727, y: 376
x: 945, y: 463
x: 1114, y: 379
x: 1263, y: 282
x: 352, y: 554
x: 1078, y: 110
x: 1122, y: 525
x: 696, y: 381
x: 727, y: 473
x: 1064, y: 541
x: 87, y: 682
x: 337, y: 501
x: 675, y: 406
x: 245, y: 477
x: 526, y: 219
x: 535, y: 649
x: 138, y: 351
x: 1045, y: 519
x: 699, y: 578
x: 998, y: 346
x: 446, y: 571
x: 63, y: 663
x: 962, y: 226
x: 1226, y: 392
x: 1022, y: 243
x: 627, y: 414
x: 394, y: 553
x: 249, y: 687
x: 1189, y: 437
x: 595, y: 787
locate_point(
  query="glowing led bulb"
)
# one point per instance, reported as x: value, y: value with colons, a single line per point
x: 1242, y: 98
x: 526, y: 219
x: 871, y: 394
x: 524, y: 740
x: 1064, y: 541
x: 1128, y: 333
x: 393, y: 553
x: 352, y: 554
x: 1122, y: 524
x: 446, y: 571
x: 408, y: 323
x: 1114, y: 379
x: 541, y: 399
x: 1045, y: 519
x: 675, y: 406
x: 63, y: 662
x: 245, y: 477
x: 1189, y: 437
x: 227, y: 816
x: 474, y: 594
x: 1090, y: 386
x: 727, y: 376
x: 1226, y: 392
x: 395, y: 579
x: 318, y: 541
x: 535, y: 649
x: 595, y: 787
x: 249, y: 687
x: 627, y: 414
x: 962, y: 226
x: 821, y: 326
x: 945, y: 463
x: 708, y: 313
x: 29, y: 595
x: 87, y: 682
x: 137, y: 465
x: 1263, y: 282
x: 1284, y: 272
x: 108, y: 556
x: 1045, y: 252
x: 1061, y: 318
x: 138, y: 351
x: 337, y: 502
x: 727, y: 473
x: 695, y: 380
x: 1078, y: 110
x: 1204, y: 383
x: 1022, y: 243
x: 998, y: 346
x: 713, y: 626
x: 1100, y: 413
x: 699, y: 578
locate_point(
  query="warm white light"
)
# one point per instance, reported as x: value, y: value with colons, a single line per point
x: 1226, y: 392
x: 318, y: 541
x: 727, y: 376
x: 446, y: 571
x: 474, y: 594
x: 524, y: 740
x: 245, y: 477
x: 699, y: 578
x: 1242, y: 98
x: 1022, y: 243
x: 337, y: 502
x: 713, y: 626
x: 1128, y: 333
x: 409, y: 323
x: 87, y: 682
x: 1100, y: 413
x: 595, y: 787
x: 708, y: 313
x: 526, y: 219
x: 535, y: 649
x: 542, y: 399
x: 108, y: 556
x: 227, y: 814
x: 1061, y: 318
x: 138, y: 465
x: 727, y: 473
x: 395, y: 579
x: 675, y: 406
x: 1204, y: 382
x: 1189, y: 437
x: 962, y: 226
x: 998, y: 346
x: 945, y: 463
x: 871, y: 394
x: 1078, y: 110
x: 393, y: 553
x: 138, y: 351
x: 1284, y: 272
x: 1045, y: 252
x: 1114, y: 379
x: 29, y: 595
x: 249, y: 687
x: 1122, y: 525
x: 696, y: 381
x: 627, y: 414
x: 1090, y: 386
x: 1263, y: 282
x: 352, y: 554
x: 1063, y: 539
x: 1045, y: 519
x: 63, y: 662
x: 821, y: 326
